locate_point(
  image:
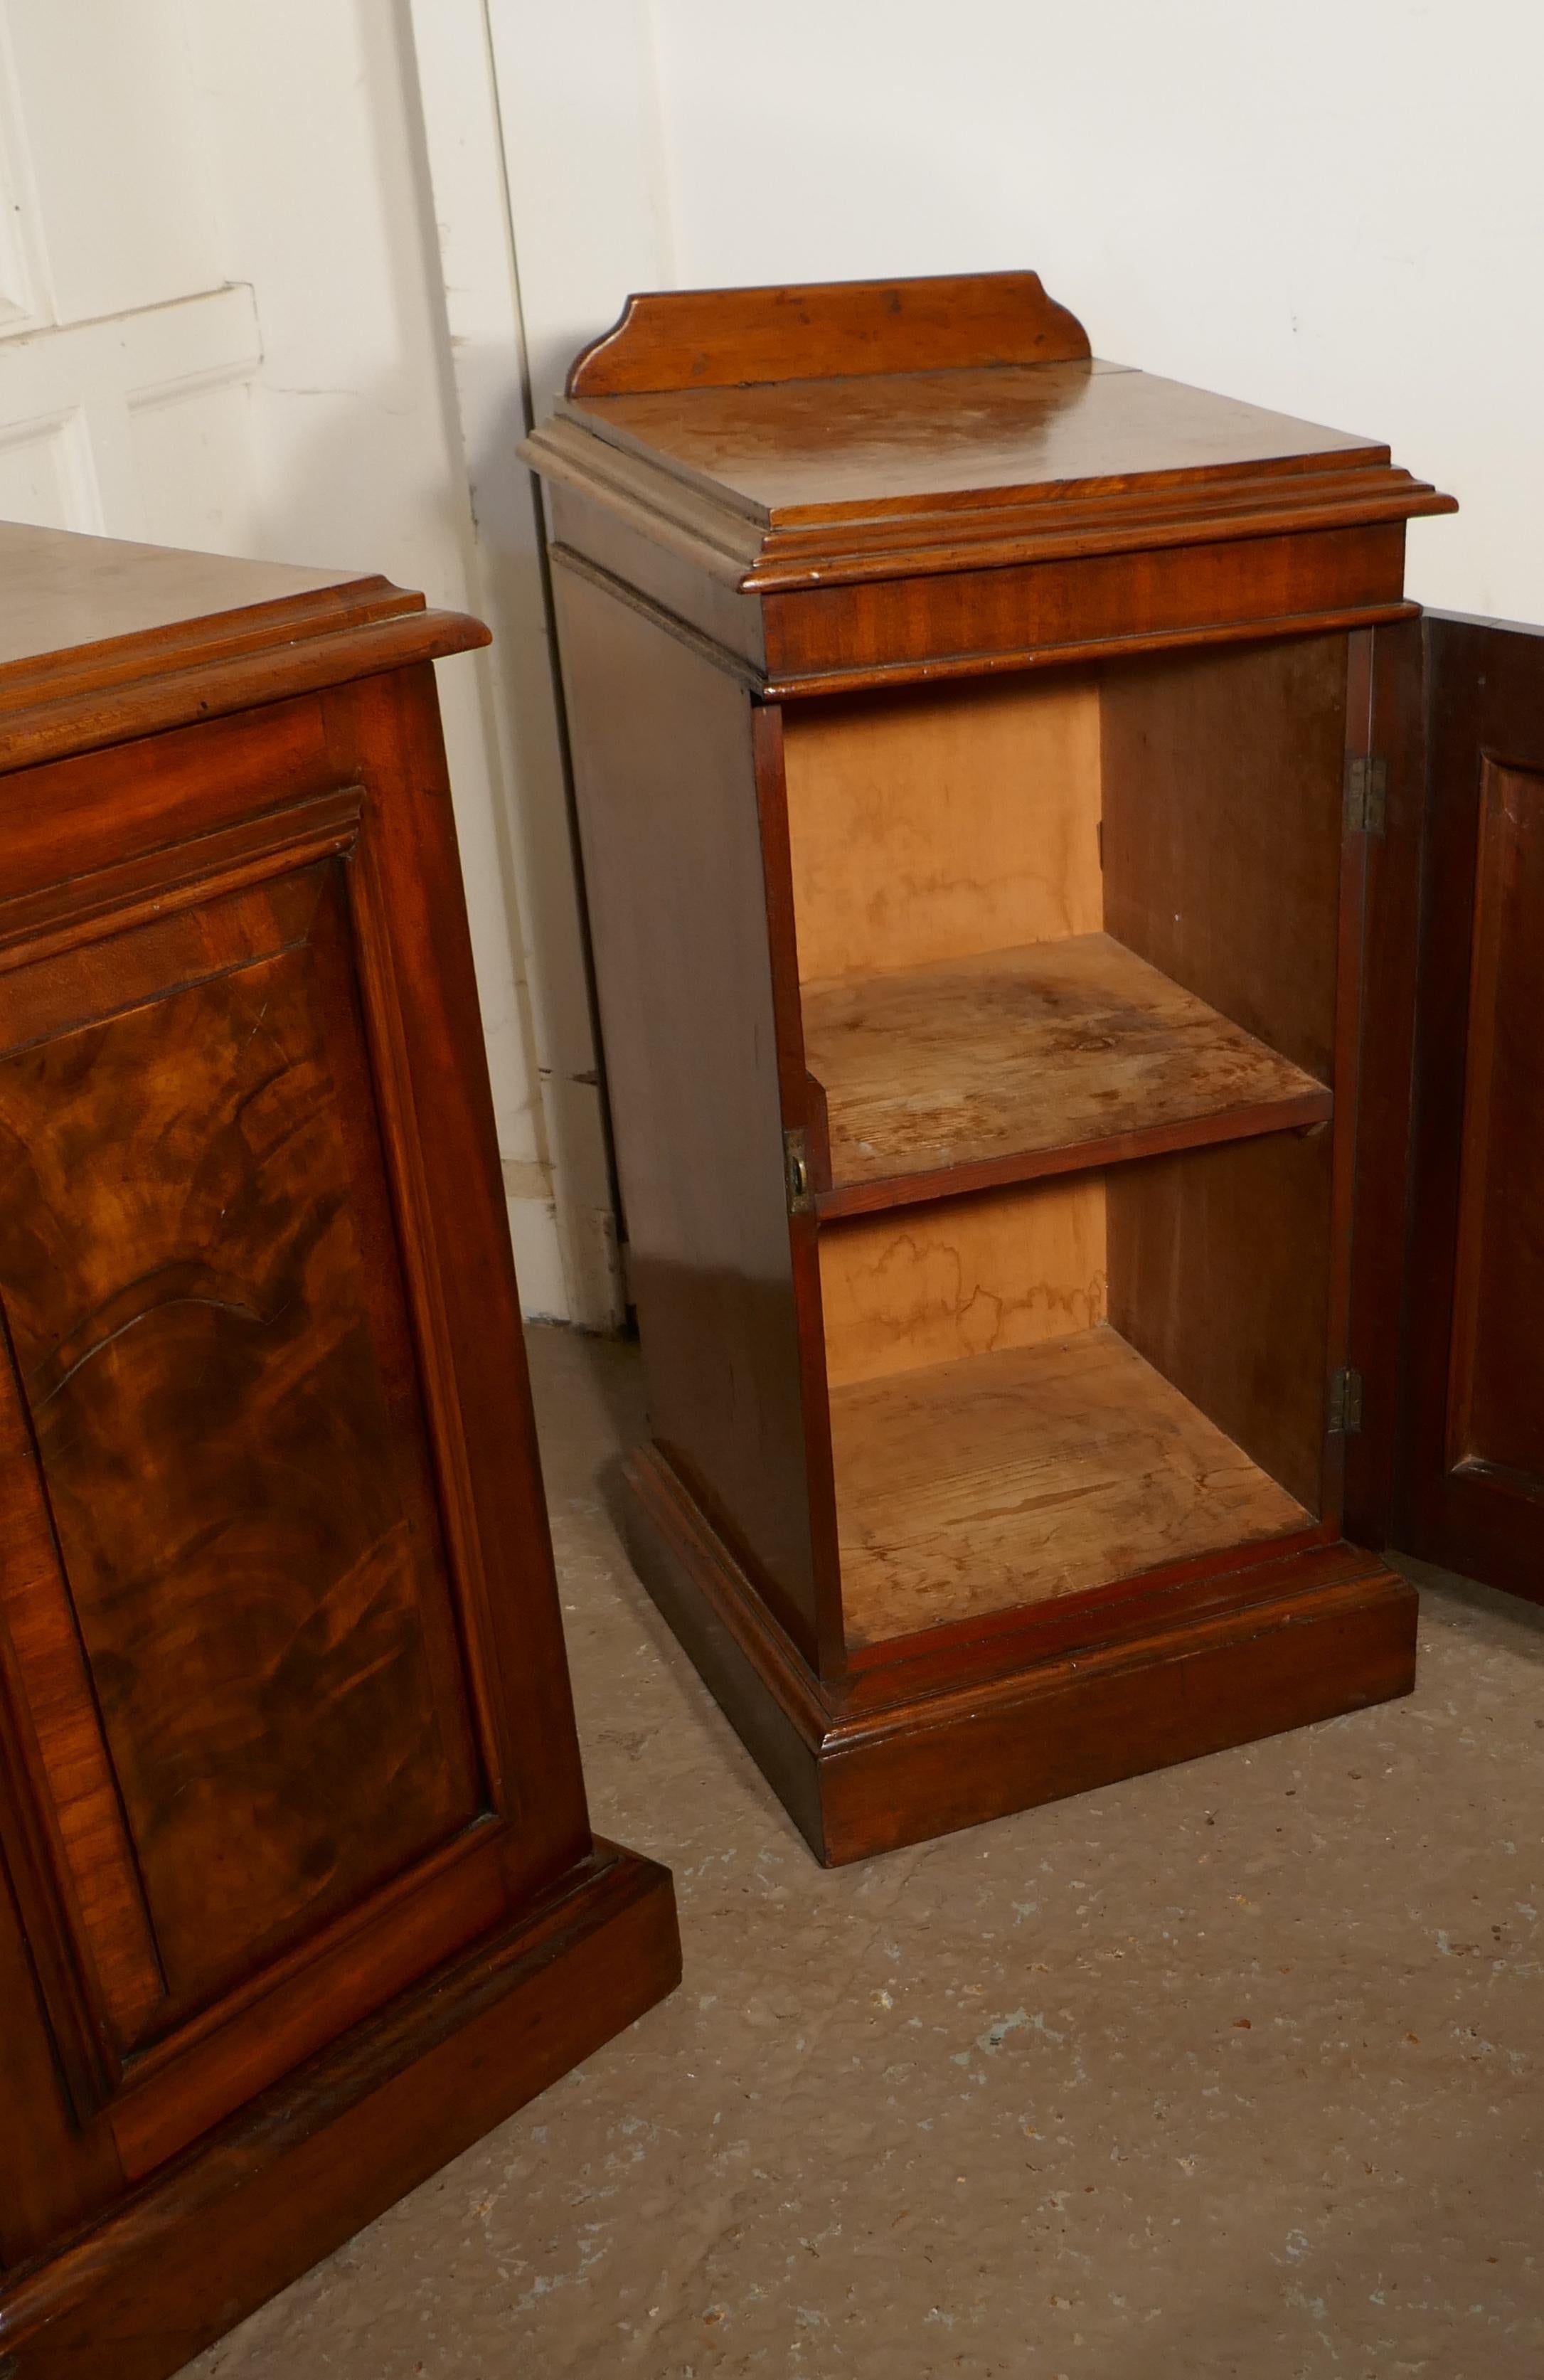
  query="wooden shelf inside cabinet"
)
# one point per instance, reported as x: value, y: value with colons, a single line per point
x: 962, y: 729
x: 1027, y: 1473
x: 1022, y: 1062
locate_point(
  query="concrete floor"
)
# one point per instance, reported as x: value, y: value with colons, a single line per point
x: 1230, y: 2070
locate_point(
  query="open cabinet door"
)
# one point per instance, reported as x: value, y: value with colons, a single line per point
x: 1469, y: 1459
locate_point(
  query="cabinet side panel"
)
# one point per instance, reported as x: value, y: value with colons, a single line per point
x: 1220, y: 1276
x: 1223, y: 831
x: 665, y: 781
x: 418, y: 991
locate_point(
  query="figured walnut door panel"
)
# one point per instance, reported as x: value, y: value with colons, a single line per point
x: 232, y: 1635
x: 1472, y: 1491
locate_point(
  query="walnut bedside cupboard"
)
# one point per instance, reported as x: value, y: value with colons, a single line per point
x: 1001, y: 779
x: 298, y: 1893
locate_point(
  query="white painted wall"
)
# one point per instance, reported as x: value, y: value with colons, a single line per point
x: 458, y: 101
x: 309, y: 114
x: 1334, y: 208
x: 223, y: 324
x: 120, y: 344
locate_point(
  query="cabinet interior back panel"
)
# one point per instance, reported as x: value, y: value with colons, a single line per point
x: 962, y: 1276
x: 940, y: 825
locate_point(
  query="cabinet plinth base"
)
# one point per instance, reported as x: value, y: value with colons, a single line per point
x: 918, y: 1745
x: 267, y: 2194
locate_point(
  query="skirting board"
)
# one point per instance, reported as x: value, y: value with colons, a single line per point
x: 918, y: 1751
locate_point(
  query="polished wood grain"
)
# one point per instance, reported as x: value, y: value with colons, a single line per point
x: 611, y: 502
x: 152, y: 2283
x: 1068, y: 1698
x: 819, y: 450
x: 68, y: 1848
x: 1007, y: 1268
x: 273, y: 2005
x: 1015, y: 767
x: 676, y: 881
x: 48, y: 2189
x: 99, y: 811
x: 152, y: 888
x: 1472, y: 1456
x: 693, y: 577
x: 1305, y: 1643
x: 185, y: 1230
x: 68, y: 604
x: 1063, y: 504
x: 285, y: 1723
x: 950, y: 514
x: 712, y: 573
x: 836, y: 639
x: 903, y: 623
x: 422, y: 1026
x: 1030, y: 1060
x: 802, y: 1108
x: 935, y: 454
x: 100, y: 640
x: 1026, y: 1473
x: 706, y: 338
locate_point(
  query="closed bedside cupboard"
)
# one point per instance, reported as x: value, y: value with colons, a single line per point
x: 298, y: 1892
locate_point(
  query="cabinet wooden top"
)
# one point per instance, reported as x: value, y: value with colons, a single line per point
x: 102, y: 640
x: 861, y: 429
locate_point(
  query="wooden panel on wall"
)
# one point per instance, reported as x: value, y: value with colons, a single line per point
x: 957, y: 1278
x: 938, y: 825
x: 198, y: 1273
x: 1223, y: 812
x: 1496, y: 1408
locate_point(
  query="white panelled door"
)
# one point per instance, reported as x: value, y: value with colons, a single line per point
x: 175, y: 174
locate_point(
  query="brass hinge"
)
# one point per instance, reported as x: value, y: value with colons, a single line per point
x: 797, y: 1167
x: 1345, y: 1403
x: 1366, y: 796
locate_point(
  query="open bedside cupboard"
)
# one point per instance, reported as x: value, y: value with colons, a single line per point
x: 1001, y: 780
